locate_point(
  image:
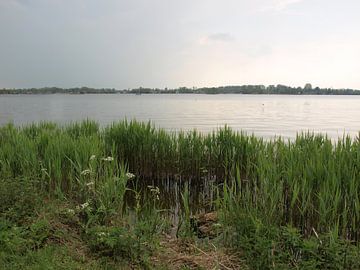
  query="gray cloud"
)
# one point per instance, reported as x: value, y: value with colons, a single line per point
x: 224, y: 37
x: 161, y: 43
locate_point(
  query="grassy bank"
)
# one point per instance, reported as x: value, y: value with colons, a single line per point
x: 280, y: 204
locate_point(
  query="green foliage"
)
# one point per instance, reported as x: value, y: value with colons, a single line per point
x: 185, y: 229
x: 18, y: 199
x: 266, y: 246
x: 114, y: 241
x: 39, y: 232
x: 12, y: 239
x: 308, y: 183
x: 248, y: 229
x: 133, y: 240
x: 294, y: 204
x: 50, y: 257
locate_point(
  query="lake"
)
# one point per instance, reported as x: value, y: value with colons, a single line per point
x: 263, y: 115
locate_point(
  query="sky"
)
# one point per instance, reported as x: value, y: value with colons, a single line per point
x: 185, y: 43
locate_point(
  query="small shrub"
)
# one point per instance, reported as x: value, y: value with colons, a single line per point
x: 118, y: 242
x: 12, y: 239
x: 18, y: 199
x: 39, y: 232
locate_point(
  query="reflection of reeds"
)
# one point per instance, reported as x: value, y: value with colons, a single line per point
x: 309, y: 183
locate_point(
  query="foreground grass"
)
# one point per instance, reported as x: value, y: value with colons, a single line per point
x: 280, y: 204
x: 42, y: 232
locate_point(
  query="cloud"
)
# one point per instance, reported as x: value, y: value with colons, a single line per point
x: 279, y: 5
x: 224, y: 37
x: 217, y: 37
x: 17, y: 4
x: 282, y: 4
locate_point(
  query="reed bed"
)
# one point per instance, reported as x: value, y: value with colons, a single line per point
x: 310, y: 183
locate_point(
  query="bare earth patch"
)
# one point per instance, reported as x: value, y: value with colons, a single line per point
x: 177, y: 254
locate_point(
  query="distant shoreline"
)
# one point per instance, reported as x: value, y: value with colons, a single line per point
x: 244, y: 89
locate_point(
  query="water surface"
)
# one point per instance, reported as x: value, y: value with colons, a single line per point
x: 263, y: 115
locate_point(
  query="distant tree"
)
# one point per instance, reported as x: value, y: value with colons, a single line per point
x: 308, y: 86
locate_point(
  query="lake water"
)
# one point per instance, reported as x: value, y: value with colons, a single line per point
x: 263, y: 115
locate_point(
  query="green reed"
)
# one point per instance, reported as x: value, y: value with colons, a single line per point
x: 310, y: 183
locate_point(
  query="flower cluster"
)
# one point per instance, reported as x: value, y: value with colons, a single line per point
x: 155, y: 191
x: 108, y: 159
x: 100, y: 234
x: 83, y: 206
x: 130, y: 175
x: 85, y: 172
x: 70, y: 211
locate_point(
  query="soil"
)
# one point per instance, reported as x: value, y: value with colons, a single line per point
x: 177, y: 254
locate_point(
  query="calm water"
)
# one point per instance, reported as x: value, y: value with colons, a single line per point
x: 263, y: 115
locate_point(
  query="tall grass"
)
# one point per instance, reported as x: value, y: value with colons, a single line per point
x: 310, y: 183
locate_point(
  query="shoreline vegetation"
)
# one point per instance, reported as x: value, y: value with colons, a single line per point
x: 279, y: 204
x: 243, y: 89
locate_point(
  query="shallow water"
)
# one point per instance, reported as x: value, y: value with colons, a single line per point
x: 263, y: 115
x: 202, y: 195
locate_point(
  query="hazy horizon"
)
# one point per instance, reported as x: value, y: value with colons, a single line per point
x: 158, y: 44
x: 173, y: 88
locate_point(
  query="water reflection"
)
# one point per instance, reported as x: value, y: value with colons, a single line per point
x: 202, y: 194
x: 264, y: 115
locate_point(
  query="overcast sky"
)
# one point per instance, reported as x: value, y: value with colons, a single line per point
x: 168, y: 43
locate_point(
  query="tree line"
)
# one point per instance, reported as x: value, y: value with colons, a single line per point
x: 242, y: 89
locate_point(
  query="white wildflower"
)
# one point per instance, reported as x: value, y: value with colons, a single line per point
x: 70, y: 211
x: 155, y: 191
x: 85, y: 172
x: 84, y: 205
x: 108, y: 159
x: 130, y: 175
x: 92, y: 157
